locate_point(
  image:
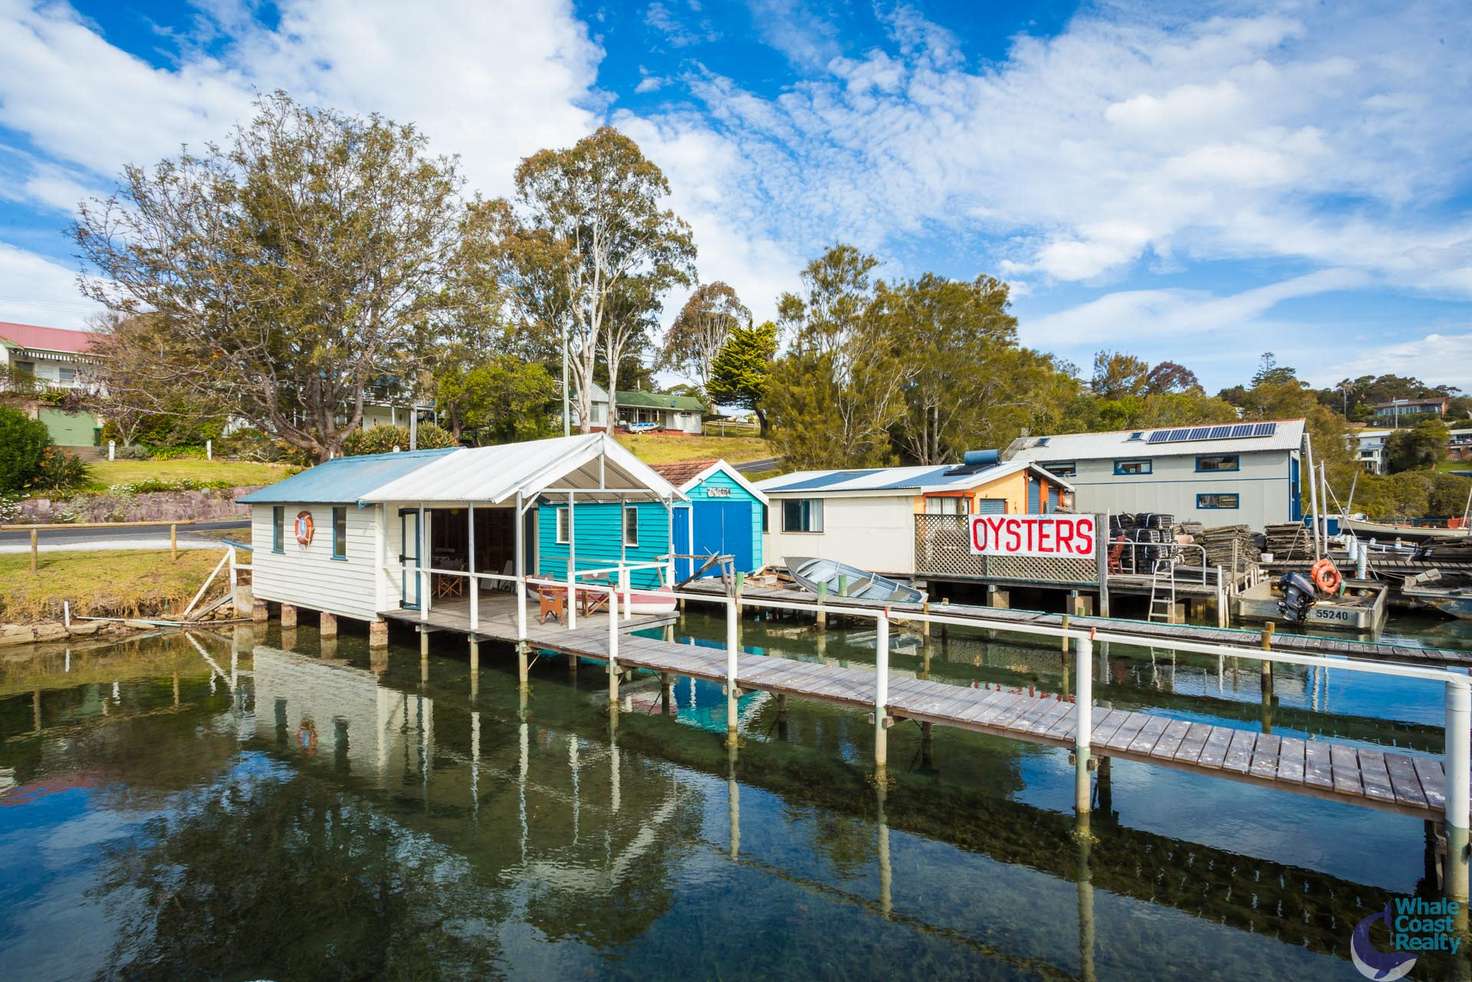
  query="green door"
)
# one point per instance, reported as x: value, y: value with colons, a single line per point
x: 69, y: 429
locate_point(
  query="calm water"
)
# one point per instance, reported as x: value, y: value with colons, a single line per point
x: 262, y: 806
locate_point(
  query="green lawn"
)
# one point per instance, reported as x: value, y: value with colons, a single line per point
x: 653, y: 448
x: 103, y: 474
x: 103, y: 584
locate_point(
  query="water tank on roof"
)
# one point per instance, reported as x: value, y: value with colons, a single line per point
x: 981, y: 458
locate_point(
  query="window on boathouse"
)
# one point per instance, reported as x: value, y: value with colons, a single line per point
x: 340, y: 532
x: 1218, y: 462
x: 278, y: 528
x: 631, y: 526
x: 1217, y: 500
x: 1128, y: 468
x: 948, y: 506
x: 562, y: 526
x: 802, y: 515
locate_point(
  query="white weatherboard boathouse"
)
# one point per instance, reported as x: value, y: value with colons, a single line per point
x: 375, y: 536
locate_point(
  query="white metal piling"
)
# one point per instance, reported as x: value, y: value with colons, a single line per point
x: 1458, y: 761
x: 1084, y: 719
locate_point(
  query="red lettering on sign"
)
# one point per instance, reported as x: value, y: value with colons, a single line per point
x: 1062, y: 536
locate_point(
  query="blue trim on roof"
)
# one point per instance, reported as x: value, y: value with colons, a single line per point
x: 344, y: 480
x: 826, y: 480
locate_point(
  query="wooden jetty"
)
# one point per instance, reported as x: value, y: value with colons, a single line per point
x: 1386, y: 648
x: 1412, y: 784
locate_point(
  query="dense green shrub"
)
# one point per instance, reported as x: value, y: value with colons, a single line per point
x: 383, y: 439
x: 23, y: 441
x: 249, y: 443
x: 176, y: 484
x: 59, y: 471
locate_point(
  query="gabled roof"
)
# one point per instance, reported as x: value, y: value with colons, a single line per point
x: 46, y: 338
x: 661, y: 400
x: 1160, y: 441
x: 345, y: 479
x: 688, y: 474
x: 897, y: 480
x: 587, y: 464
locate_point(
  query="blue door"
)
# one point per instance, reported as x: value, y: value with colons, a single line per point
x: 1033, y: 489
x: 409, y: 557
x: 724, y: 527
x: 681, y: 518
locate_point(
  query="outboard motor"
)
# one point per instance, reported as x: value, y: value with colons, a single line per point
x: 1298, y: 596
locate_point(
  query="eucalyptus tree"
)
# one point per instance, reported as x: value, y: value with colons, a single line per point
x: 592, y: 249
x: 700, y: 330
x: 290, y: 270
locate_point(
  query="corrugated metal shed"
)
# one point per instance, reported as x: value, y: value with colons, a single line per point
x: 1286, y: 435
x: 344, y: 480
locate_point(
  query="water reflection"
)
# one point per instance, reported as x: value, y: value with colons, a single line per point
x: 351, y: 814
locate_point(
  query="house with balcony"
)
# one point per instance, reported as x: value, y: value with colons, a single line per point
x: 34, y: 359
x: 1409, y: 412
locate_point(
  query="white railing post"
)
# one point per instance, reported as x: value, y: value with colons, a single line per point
x: 613, y: 646
x: 520, y: 567
x: 1458, y: 760
x: 733, y: 650
x: 881, y: 664
x: 623, y: 586
x: 472, y: 584
x: 572, y: 565
x: 1084, y: 722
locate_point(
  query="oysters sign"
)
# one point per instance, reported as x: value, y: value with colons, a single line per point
x: 1053, y: 536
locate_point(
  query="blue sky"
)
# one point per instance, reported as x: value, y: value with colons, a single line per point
x: 1201, y: 183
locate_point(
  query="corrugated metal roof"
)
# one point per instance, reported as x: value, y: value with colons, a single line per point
x: 660, y: 400
x: 496, y: 474
x: 46, y: 338
x: 344, y: 480
x: 897, y: 479
x: 1122, y: 444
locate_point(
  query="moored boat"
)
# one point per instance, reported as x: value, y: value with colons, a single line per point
x: 1409, y: 533
x: 1450, y: 593
x: 842, y: 580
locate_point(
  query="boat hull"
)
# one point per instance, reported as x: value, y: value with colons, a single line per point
x: 835, y: 579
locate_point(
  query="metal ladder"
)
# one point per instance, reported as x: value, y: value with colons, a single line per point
x: 1163, y: 591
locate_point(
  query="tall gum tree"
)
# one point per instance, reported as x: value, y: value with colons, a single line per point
x: 592, y: 232
x: 289, y: 270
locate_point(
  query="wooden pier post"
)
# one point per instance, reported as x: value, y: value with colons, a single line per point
x: 782, y: 716
x: 1064, y: 639
x: 733, y: 801
x: 733, y: 650
x: 35, y: 548
x: 881, y: 828
x: 288, y: 616
x: 997, y: 597
x: 1266, y: 667
x: 474, y: 668
x: 173, y: 540
x: 378, y: 633
x: 666, y: 694
x: 327, y: 625
x: 822, y: 614
x: 925, y: 622
x: 260, y: 612
x: 288, y: 638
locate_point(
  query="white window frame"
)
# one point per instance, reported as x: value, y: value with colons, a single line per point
x: 560, y: 530
x: 814, y: 511
x: 631, y: 511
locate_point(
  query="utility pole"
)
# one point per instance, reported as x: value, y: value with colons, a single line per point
x: 566, y: 404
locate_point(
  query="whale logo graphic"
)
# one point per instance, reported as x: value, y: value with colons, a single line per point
x: 1371, y: 961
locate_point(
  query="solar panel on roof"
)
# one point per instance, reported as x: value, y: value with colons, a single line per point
x: 1220, y: 432
x: 1228, y: 431
x: 1241, y: 430
x: 1159, y: 436
x: 1265, y: 429
x: 1177, y: 436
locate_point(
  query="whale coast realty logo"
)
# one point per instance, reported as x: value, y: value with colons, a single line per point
x: 1415, y: 925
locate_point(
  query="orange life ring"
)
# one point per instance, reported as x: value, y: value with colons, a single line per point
x: 305, y: 528
x: 306, y: 735
x: 1325, y: 576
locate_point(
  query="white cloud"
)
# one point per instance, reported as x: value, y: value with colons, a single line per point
x: 1437, y: 359
x: 1135, y: 315
x: 792, y: 27
x: 35, y: 290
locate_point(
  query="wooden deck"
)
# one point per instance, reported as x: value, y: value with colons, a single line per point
x: 497, y: 618
x: 1412, y: 784
x: 1384, y: 648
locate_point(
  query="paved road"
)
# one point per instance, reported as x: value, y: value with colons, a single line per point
x: 118, y: 537
x: 756, y: 466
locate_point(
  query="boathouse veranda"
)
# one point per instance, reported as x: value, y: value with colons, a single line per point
x: 1416, y: 784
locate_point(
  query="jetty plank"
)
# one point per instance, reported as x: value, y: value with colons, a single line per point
x: 1214, y: 751
x: 1191, y: 747
x: 1346, y: 769
x: 1404, y: 781
x: 1170, y: 741
x: 1375, y: 776
x: 1433, y: 781
x: 1149, y: 735
x: 1239, y: 751
x: 1290, y: 760
x: 1128, y: 730
x: 1265, y: 757
x: 1106, y: 727
x: 1317, y: 768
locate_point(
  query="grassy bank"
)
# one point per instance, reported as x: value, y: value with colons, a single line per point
x: 653, y: 448
x: 103, y: 474
x: 100, y: 584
